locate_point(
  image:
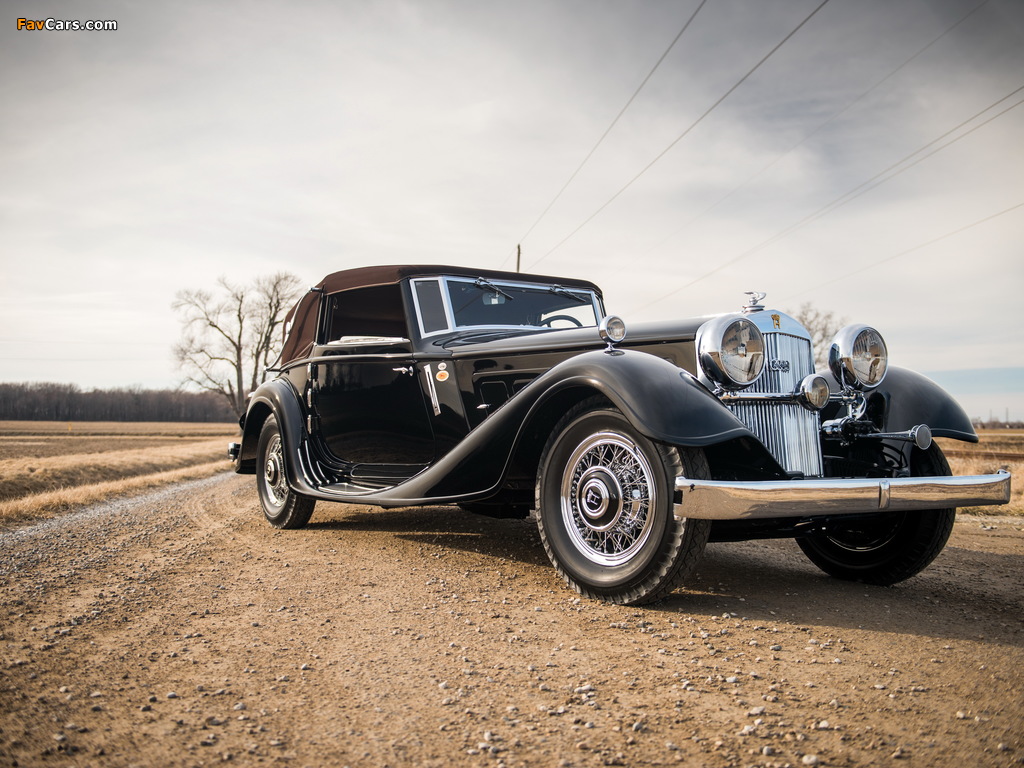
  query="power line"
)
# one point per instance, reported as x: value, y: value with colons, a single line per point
x: 874, y: 264
x: 817, y: 129
x: 857, y: 191
x: 681, y: 136
x: 613, y: 123
x: 877, y: 178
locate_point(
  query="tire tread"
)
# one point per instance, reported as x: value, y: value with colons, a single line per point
x: 297, y: 509
x: 689, y: 537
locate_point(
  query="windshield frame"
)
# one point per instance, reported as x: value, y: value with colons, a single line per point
x: 444, y: 282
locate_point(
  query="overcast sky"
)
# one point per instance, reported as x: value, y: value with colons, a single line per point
x: 854, y: 168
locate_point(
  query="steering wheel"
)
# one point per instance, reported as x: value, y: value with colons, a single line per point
x: 550, y: 320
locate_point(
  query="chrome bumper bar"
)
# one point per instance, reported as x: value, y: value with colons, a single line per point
x: 736, y: 500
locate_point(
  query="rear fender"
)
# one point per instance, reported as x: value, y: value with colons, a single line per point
x: 275, y: 397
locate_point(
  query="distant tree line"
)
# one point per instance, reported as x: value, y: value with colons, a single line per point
x: 44, y: 401
x: 997, y: 424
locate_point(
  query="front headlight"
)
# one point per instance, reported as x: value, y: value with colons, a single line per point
x: 731, y: 351
x: 813, y: 393
x: 858, y: 357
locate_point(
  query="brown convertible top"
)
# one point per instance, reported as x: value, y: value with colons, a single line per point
x: 300, y: 323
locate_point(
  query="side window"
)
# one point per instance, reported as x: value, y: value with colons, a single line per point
x: 373, y: 312
x: 433, y: 317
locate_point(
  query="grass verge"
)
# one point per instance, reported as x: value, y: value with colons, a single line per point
x: 47, y: 468
x: 30, y: 475
x: 51, y: 503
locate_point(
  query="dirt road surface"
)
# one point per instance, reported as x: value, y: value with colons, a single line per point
x: 178, y: 629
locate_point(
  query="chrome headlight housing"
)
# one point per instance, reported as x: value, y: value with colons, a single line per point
x: 813, y: 393
x: 612, y: 329
x: 730, y: 350
x: 858, y: 357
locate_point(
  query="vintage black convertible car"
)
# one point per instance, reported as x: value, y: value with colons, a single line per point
x: 503, y: 392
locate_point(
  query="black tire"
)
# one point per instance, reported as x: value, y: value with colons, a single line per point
x: 890, y: 549
x: 282, y: 506
x: 604, y: 508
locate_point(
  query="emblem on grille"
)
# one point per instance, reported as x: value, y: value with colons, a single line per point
x: 777, y: 321
x: 779, y: 365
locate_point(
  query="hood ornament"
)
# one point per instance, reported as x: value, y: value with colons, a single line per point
x: 754, y: 301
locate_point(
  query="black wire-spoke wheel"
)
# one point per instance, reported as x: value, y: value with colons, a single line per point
x: 605, y: 511
x: 888, y: 548
x: 283, y: 507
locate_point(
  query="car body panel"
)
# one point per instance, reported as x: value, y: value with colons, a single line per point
x: 643, y: 387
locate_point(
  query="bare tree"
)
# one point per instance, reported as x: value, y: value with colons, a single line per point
x: 231, y: 336
x: 822, y: 326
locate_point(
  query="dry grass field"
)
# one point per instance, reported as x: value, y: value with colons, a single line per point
x: 46, y: 466
x: 998, y: 449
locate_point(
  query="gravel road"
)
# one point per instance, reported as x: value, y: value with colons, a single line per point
x: 178, y: 629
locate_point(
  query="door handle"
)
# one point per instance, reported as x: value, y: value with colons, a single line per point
x: 404, y: 369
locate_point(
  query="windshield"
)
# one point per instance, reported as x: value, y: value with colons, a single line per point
x: 448, y: 303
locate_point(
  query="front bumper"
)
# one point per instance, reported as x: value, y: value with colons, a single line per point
x: 736, y: 500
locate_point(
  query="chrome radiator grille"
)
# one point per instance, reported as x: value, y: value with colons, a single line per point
x: 788, y: 430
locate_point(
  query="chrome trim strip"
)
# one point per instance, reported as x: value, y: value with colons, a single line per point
x: 442, y: 289
x: 433, y: 391
x: 735, y: 500
x: 759, y: 397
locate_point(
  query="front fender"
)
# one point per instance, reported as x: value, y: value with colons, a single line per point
x: 913, y: 399
x: 905, y: 399
x: 662, y: 401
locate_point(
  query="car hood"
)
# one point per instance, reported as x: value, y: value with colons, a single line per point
x: 486, y: 342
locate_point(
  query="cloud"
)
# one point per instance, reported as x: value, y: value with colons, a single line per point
x: 239, y: 139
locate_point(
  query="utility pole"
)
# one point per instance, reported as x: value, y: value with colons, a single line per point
x: 519, y: 255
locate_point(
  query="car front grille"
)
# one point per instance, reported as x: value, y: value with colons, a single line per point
x: 787, y: 429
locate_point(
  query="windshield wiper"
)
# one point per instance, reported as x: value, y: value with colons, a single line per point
x: 566, y: 292
x: 487, y: 285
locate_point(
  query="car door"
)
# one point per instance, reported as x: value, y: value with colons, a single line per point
x: 371, y: 410
x: 368, y: 403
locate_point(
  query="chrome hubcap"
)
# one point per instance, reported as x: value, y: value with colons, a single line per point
x: 273, y: 473
x: 608, y: 497
x: 599, y: 498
